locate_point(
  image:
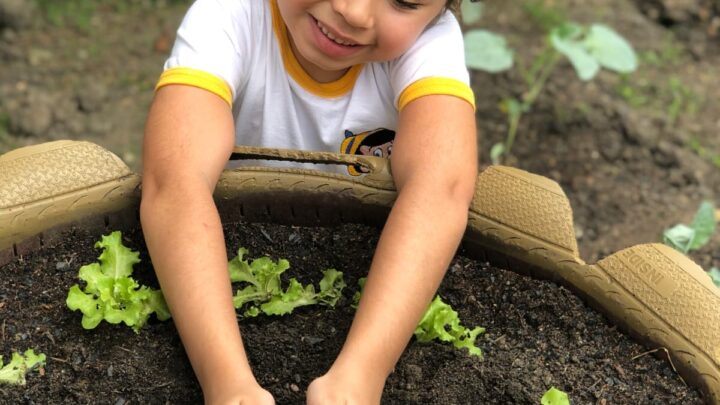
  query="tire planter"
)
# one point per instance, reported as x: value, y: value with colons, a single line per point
x: 518, y: 221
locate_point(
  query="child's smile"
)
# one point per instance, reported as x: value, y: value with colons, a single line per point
x: 331, y: 42
x: 330, y: 36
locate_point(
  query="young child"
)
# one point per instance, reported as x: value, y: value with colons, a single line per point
x: 381, y: 77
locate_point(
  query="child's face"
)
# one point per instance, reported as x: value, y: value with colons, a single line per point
x: 363, y: 31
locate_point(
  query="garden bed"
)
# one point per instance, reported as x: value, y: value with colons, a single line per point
x: 538, y: 334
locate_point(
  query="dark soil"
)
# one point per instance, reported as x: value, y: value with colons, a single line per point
x: 538, y: 335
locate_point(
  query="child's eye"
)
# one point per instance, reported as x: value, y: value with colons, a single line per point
x: 406, y: 4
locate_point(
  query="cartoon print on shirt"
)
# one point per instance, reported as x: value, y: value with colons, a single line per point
x: 377, y: 142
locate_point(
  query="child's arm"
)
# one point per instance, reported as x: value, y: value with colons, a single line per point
x: 188, y: 139
x: 434, y: 165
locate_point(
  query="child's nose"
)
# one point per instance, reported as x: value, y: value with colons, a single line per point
x: 357, y: 13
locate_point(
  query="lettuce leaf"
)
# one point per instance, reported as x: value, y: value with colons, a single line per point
x: 261, y: 287
x: 554, y: 396
x: 20, y: 364
x: 441, y: 322
x: 110, y: 293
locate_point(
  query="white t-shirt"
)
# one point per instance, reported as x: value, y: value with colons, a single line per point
x: 239, y: 50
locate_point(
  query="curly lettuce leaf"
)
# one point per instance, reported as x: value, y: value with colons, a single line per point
x: 295, y: 296
x: 262, y: 292
x: 14, y: 372
x: 441, y: 322
x: 110, y: 293
x: 331, y: 287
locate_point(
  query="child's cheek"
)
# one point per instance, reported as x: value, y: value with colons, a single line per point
x: 394, y: 43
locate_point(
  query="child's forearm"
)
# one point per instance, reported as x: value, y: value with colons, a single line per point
x: 188, y: 138
x: 416, y: 246
x: 434, y: 164
x: 188, y: 252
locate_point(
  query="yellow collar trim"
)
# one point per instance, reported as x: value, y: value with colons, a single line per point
x: 328, y: 90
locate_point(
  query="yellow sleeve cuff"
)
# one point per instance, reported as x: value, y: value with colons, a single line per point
x: 436, y: 85
x: 196, y: 78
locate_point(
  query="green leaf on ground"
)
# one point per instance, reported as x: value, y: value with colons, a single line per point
x: 679, y: 237
x: 610, y: 49
x: 14, y: 372
x: 589, y: 49
x: 487, y: 51
x: 693, y: 237
x: 554, y: 396
x: 566, y: 39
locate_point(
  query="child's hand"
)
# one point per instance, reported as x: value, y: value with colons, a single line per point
x: 332, y: 390
x: 254, y: 396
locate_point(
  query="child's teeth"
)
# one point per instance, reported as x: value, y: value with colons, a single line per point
x: 331, y: 36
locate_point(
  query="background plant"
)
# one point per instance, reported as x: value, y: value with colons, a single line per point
x: 687, y: 238
x: 587, y: 48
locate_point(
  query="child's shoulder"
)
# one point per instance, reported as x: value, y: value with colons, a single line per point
x: 446, y: 24
x: 443, y: 37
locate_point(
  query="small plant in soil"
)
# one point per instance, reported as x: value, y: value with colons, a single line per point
x: 20, y: 365
x: 263, y: 292
x: 588, y: 48
x: 110, y: 293
x: 554, y: 396
x: 686, y: 238
x: 439, y: 322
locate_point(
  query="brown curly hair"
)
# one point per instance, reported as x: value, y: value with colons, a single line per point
x: 453, y: 5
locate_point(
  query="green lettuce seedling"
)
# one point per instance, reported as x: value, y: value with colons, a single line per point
x: 442, y: 322
x: 358, y: 293
x: 554, y: 396
x: 263, y: 290
x: 110, y: 293
x: 20, y: 364
x: 439, y: 322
